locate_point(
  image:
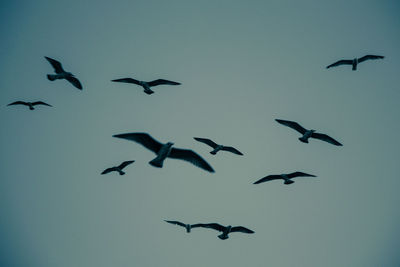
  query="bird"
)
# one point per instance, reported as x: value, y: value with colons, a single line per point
x: 354, y: 62
x: 146, y: 85
x: 187, y: 226
x: 308, y: 133
x: 62, y: 74
x: 29, y: 104
x: 166, y: 150
x: 118, y: 168
x: 226, y: 230
x: 217, y: 147
x: 286, y: 177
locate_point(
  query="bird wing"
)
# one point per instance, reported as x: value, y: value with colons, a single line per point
x: 364, y: 58
x: 232, y: 149
x: 75, y: 82
x: 268, y: 178
x: 17, y: 103
x: 162, y: 81
x: 197, y: 225
x: 142, y: 138
x: 341, y: 62
x: 108, y: 170
x: 125, y: 163
x: 176, y: 222
x: 190, y: 156
x: 40, y: 103
x: 326, y: 138
x: 127, y: 80
x: 293, y: 125
x: 300, y: 174
x: 206, y: 141
x: 56, y: 65
x: 215, y: 226
x: 241, y: 229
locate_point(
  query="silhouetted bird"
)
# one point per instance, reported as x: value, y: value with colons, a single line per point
x: 227, y: 229
x: 29, y: 104
x: 165, y: 150
x: 62, y: 74
x: 354, y: 62
x: 217, y: 147
x: 146, y: 85
x: 187, y: 226
x: 118, y: 168
x: 308, y: 133
x: 286, y: 177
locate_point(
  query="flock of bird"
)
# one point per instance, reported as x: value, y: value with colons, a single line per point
x: 167, y: 150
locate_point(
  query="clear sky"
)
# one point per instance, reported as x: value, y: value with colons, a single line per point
x: 242, y: 64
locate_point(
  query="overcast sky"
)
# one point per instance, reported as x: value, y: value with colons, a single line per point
x: 242, y: 64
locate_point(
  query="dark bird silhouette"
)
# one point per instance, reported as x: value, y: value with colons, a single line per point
x: 188, y: 227
x: 308, y: 133
x: 217, y: 147
x: 164, y: 151
x: 354, y: 62
x: 227, y: 229
x: 118, y: 168
x: 146, y: 85
x: 286, y: 177
x: 62, y: 74
x: 29, y: 104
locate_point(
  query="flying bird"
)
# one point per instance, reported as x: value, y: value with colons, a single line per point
x: 29, y: 104
x: 354, y: 62
x: 227, y: 229
x: 118, y: 168
x: 286, y: 177
x: 187, y: 226
x: 308, y: 133
x: 217, y: 147
x: 146, y: 85
x: 62, y: 74
x: 164, y: 151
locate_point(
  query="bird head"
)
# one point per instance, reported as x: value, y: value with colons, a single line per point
x: 170, y: 144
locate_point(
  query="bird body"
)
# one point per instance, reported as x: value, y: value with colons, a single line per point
x: 188, y: 227
x: 216, y: 147
x: 118, y: 168
x: 162, y: 154
x: 226, y: 230
x: 62, y: 74
x: 29, y: 104
x: 287, y: 178
x: 354, y: 62
x: 306, y: 136
x: 146, y: 85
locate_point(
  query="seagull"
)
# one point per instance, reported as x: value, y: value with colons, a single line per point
x: 62, y: 74
x: 187, y: 226
x: 354, y: 62
x: 118, y: 168
x: 227, y: 229
x: 286, y: 177
x: 308, y: 133
x: 217, y: 147
x: 146, y: 85
x: 29, y: 104
x: 165, y: 150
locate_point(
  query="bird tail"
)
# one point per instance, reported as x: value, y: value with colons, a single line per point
x: 354, y: 67
x: 51, y: 77
x: 148, y: 91
x: 288, y: 182
x: 304, y: 140
x: 157, y: 162
x: 121, y: 172
x: 223, y: 237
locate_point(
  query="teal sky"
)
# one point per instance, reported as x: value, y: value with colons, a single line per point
x: 242, y: 64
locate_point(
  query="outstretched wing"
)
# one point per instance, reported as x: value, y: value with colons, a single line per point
x: 341, y: 62
x: 190, y: 156
x: 232, y: 149
x: 293, y: 125
x: 56, y: 65
x: 142, y: 138
x: 40, y: 103
x: 241, y: 229
x: 125, y: 163
x: 206, y: 141
x: 197, y: 225
x: 268, y: 178
x: 176, y: 222
x: 162, y: 81
x: 364, y: 58
x: 108, y: 170
x: 215, y: 226
x: 326, y: 138
x: 299, y: 174
x: 75, y: 82
x: 127, y: 80
x: 17, y: 103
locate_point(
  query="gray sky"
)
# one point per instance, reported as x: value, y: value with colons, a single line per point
x: 242, y: 64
